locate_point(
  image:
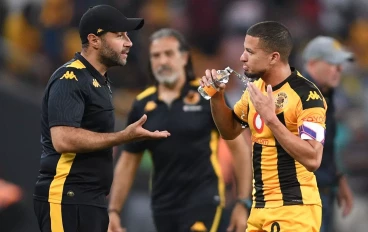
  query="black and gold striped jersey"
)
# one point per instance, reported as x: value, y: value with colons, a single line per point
x: 278, y: 178
x: 186, y: 170
x: 77, y: 95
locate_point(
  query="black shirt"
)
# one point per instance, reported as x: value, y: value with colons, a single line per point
x: 186, y: 169
x: 326, y: 174
x: 77, y: 95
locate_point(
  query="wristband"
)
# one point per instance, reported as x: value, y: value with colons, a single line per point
x: 246, y: 202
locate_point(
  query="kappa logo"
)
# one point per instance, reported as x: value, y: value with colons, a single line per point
x: 314, y: 96
x: 95, y: 83
x: 69, y: 75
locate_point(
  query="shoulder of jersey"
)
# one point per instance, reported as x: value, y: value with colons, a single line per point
x: 308, y: 92
x: 71, y: 71
x: 146, y: 93
x: 302, y: 85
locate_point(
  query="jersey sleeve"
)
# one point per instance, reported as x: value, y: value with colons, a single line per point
x: 241, y: 109
x: 66, y: 100
x: 311, y: 116
x: 134, y: 115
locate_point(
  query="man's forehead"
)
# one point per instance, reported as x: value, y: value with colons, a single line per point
x: 251, y: 41
x: 165, y: 43
x: 165, y: 40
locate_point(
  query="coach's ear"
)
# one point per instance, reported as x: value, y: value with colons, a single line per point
x: 94, y: 40
x: 274, y: 58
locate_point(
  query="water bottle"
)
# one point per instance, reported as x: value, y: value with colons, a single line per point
x: 222, y: 77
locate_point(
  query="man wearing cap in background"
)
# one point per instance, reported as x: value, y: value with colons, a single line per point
x: 323, y: 57
x: 77, y: 128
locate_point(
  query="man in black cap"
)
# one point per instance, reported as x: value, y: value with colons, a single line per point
x: 77, y: 128
x: 323, y: 58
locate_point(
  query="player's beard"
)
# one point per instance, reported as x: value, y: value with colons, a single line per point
x: 109, y: 57
x: 168, y: 80
x: 256, y: 75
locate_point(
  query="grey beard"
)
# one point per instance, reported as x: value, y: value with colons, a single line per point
x: 166, y: 81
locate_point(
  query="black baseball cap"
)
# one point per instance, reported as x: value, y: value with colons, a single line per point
x: 104, y: 18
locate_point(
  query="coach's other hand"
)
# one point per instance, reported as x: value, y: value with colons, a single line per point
x: 114, y: 224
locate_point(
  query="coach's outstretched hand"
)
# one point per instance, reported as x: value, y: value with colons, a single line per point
x: 135, y: 131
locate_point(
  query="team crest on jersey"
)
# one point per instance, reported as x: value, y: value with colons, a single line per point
x: 281, y: 100
x: 151, y: 105
x: 192, y: 98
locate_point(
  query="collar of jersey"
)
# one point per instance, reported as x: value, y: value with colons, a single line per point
x: 101, y: 79
x: 293, y: 74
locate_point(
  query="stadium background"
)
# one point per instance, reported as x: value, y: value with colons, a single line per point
x: 37, y: 36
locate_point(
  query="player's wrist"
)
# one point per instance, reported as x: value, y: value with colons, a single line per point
x: 245, y: 202
x: 272, y: 120
x: 219, y: 95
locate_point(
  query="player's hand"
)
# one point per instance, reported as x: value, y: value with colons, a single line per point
x: 114, y: 223
x: 238, y: 221
x: 135, y: 132
x: 345, y: 197
x: 264, y: 105
x: 209, y: 78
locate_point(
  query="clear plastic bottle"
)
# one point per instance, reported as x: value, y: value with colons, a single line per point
x: 222, y: 77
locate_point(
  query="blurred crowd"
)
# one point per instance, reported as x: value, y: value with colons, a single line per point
x: 37, y: 36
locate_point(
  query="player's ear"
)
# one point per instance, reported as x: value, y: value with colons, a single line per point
x: 274, y: 57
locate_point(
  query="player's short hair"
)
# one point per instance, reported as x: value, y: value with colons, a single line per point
x: 274, y: 37
x: 183, y: 47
